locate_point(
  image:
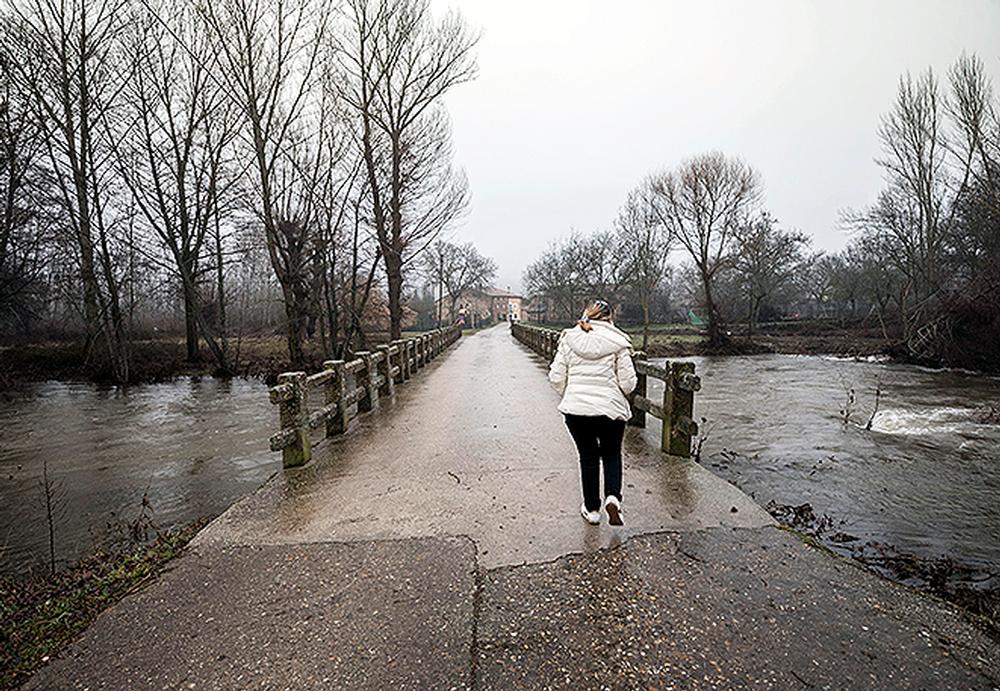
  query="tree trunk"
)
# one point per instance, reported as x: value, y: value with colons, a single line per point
x: 191, y: 322
x: 394, y: 276
x: 295, y: 328
x: 714, y: 332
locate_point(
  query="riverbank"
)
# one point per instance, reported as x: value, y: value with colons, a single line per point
x: 42, y: 614
x: 975, y: 591
x: 153, y: 360
x: 261, y: 357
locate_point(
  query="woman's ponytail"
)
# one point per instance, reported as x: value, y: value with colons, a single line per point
x: 598, y: 309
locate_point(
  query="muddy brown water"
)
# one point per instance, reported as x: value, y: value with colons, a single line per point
x: 925, y: 478
x: 193, y: 446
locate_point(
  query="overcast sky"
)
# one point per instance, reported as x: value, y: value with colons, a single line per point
x: 576, y: 101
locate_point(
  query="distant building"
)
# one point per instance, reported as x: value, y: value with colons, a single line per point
x: 477, y: 307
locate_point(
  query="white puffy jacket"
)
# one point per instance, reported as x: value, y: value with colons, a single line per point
x: 593, y: 371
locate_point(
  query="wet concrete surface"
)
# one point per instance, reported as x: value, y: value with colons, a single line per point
x: 720, y: 609
x: 364, y: 614
x: 438, y: 545
x: 474, y: 445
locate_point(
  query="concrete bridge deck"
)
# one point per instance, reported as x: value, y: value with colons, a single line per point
x: 438, y: 545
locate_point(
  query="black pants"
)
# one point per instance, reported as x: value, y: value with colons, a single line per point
x: 598, y: 438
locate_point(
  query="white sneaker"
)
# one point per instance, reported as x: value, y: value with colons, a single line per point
x: 614, y: 509
x: 592, y: 517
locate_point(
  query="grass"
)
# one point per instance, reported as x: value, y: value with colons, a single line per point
x: 39, y: 616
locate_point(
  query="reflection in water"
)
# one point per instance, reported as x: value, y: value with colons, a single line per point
x: 197, y: 444
x: 925, y: 478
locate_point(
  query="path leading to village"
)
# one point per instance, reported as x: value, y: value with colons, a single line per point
x: 439, y: 545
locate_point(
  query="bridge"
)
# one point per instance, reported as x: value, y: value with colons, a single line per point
x: 437, y: 544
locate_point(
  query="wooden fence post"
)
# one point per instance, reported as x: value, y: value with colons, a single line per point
x: 366, y: 382
x: 294, y: 414
x: 678, y: 409
x: 407, y: 348
x: 336, y: 392
x: 385, y: 370
x: 638, y: 418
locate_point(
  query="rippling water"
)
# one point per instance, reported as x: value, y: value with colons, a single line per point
x: 925, y: 478
x: 196, y: 444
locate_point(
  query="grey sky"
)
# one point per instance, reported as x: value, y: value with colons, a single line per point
x: 578, y: 100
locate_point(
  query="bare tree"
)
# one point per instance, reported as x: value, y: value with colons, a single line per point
x: 558, y: 276
x: 268, y: 56
x: 914, y: 211
x: 576, y: 269
x: 398, y: 64
x: 643, y: 244
x: 72, y: 64
x: 765, y: 259
x: 26, y: 214
x: 457, y: 269
x: 173, y: 157
x: 703, y: 204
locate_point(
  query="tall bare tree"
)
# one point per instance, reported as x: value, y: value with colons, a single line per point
x: 72, y: 64
x: 269, y: 55
x: 703, y: 204
x: 173, y: 157
x: 398, y: 63
x: 644, y: 245
x: 26, y: 214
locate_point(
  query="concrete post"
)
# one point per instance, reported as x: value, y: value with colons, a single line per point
x: 385, y: 369
x: 338, y: 421
x: 398, y: 345
x: 678, y: 409
x: 638, y: 418
x: 366, y: 382
x: 294, y: 413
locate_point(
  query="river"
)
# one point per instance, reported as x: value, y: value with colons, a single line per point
x: 925, y: 479
x: 192, y: 446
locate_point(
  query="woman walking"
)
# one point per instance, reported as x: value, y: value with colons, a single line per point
x: 593, y: 372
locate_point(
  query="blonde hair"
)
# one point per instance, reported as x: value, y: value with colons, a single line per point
x: 598, y: 309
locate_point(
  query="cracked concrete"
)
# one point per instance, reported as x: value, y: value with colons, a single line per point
x: 438, y: 545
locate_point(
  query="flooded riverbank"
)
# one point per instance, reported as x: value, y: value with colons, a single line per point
x: 924, y: 480
x: 788, y: 430
x: 191, y: 447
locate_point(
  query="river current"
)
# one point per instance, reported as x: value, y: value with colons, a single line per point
x: 925, y: 478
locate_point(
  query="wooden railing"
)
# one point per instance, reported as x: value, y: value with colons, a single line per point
x: 346, y: 386
x: 680, y: 383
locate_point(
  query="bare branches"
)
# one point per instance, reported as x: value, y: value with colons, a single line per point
x: 397, y: 64
x: 703, y: 204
